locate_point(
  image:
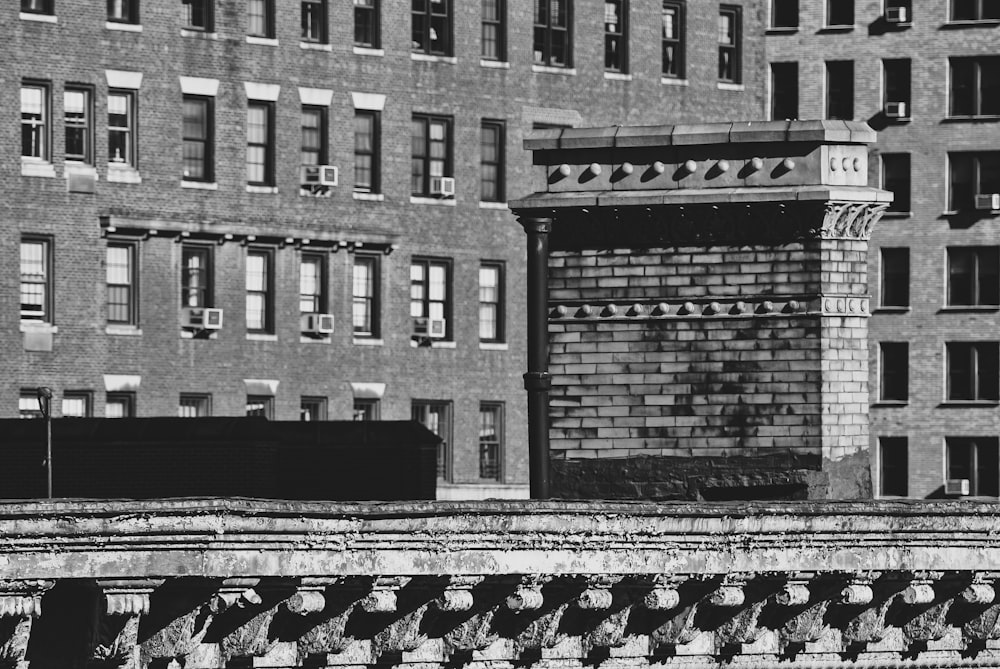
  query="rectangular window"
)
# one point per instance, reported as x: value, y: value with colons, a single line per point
x: 839, y: 13
x: 312, y: 409
x: 76, y: 404
x: 494, y: 46
x: 973, y: 276
x: 975, y: 86
x: 840, y: 90
x: 35, y: 115
x: 431, y: 32
x: 28, y: 405
x: 491, y: 442
x: 314, y: 135
x: 893, y: 466
x: 971, y: 175
x: 894, y: 365
x: 431, y: 143
x: 123, y: 11
x: 260, y: 291
x: 366, y: 23
x: 78, y: 117
x: 896, y: 77
x: 784, y: 13
x: 553, y: 34
x: 784, y: 91
x: 198, y: 140
x: 491, y: 159
x: 366, y: 151
x: 312, y: 284
x: 121, y: 127
x: 896, y: 178
x: 616, y: 35
x: 194, y: 405
x: 261, y: 406
x: 491, y: 297
x: 730, y: 46
x: 314, y: 21
x: 895, y: 277
x: 672, y: 39
x: 260, y: 18
x: 119, y: 405
x: 365, y: 309
x: 975, y: 10
x: 436, y: 417
x: 430, y: 298
x: 36, y: 280
x: 260, y: 143
x: 196, y: 276
x: 365, y: 408
x: 199, y: 15
x: 121, y: 275
x: 975, y: 460
x: 37, y: 6
x: 973, y: 371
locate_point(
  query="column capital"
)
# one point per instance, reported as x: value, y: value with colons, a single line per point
x: 536, y: 224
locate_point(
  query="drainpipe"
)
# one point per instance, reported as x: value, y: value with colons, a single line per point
x: 537, y: 380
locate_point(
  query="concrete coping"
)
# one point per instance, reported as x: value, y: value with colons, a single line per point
x: 736, y: 132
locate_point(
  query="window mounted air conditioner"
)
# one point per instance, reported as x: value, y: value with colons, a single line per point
x: 896, y: 110
x: 897, y: 15
x: 988, y: 201
x: 202, y: 318
x: 956, y: 487
x: 437, y: 328
x: 317, y: 324
x: 319, y: 175
x: 443, y: 186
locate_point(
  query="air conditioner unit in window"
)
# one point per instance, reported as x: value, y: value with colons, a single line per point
x: 202, y: 318
x: 896, y: 110
x: 317, y: 324
x: 443, y: 186
x: 988, y: 201
x: 897, y: 15
x: 956, y: 487
x: 437, y: 328
x: 319, y: 175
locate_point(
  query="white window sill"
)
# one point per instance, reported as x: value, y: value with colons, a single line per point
x: 315, y: 46
x: 618, y: 76
x: 38, y: 326
x: 123, y: 175
x: 494, y: 64
x: 493, y: 346
x: 548, y: 69
x: 124, y: 27
x: 200, y: 185
x: 368, y: 51
x: 325, y: 339
x: 125, y: 330
x: 263, y: 41
x: 674, y: 81
x: 41, y: 18
x: 435, y: 343
x: 33, y: 167
x: 267, y: 190
x: 255, y: 336
x: 444, y: 202
x: 368, y: 341
x: 428, y: 58
x: 369, y: 197
x: 726, y: 86
x: 493, y: 205
x: 198, y: 34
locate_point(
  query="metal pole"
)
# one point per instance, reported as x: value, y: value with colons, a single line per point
x: 45, y: 404
x: 537, y: 380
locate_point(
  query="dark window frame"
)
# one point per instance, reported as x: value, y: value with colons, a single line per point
x: 981, y: 11
x: 85, y: 396
x: 123, y: 11
x: 322, y: 131
x: 839, y: 18
x: 266, y: 408
x: 199, y: 15
x: 267, y: 146
x: 616, y: 42
x: 494, y: 30
x: 366, y: 408
x: 204, y: 294
x: 896, y: 177
x: 84, y: 126
x: 421, y: 411
x: 126, y: 398
x: 423, y: 25
x: 893, y: 372
x: 367, y: 31
x: 315, y: 22
x: 373, y: 154
x: 979, y: 362
x: 781, y: 10
x: 426, y: 159
x: 321, y: 299
x: 546, y: 30
x: 491, y: 451
x: 961, y: 194
x: 839, y: 98
x: 41, y: 128
x: 130, y: 131
x: 47, y: 282
x: 207, y: 141
x: 970, y: 93
x: 673, y: 68
x: 316, y: 403
x: 731, y: 68
x: 894, y: 469
x: 500, y: 302
x: 266, y: 293
x: 201, y: 402
x: 897, y: 83
x: 426, y: 302
x: 980, y: 458
x: 981, y: 287
x: 781, y: 108
x: 130, y: 315
x: 894, y: 293
x: 267, y: 30
x: 28, y: 406
x: 371, y: 302
x: 499, y: 164
x: 46, y: 7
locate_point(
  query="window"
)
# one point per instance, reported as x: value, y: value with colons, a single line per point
x: 123, y: 11
x: 260, y: 144
x: 972, y: 174
x: 196, y: 276
x: 973, y: 276
x: 35, y: 115
x: 975, y: 10
x: 673, y: 39
x: 436, y: 417
x: 261, y: 406
x: 312, y: 284
x: 36, y: 280
x: 259, y: 281
x: 616, y: 35
x: 975, y: 86
x: 120, y: 273
x: 432, y: 27
x: 553, y: 35
x: 973, y: 372
x: 730, y: 19
x: 366, y: 151
x: 839, y: 13
x: 314, y: 134
x: 314, y: 21
x: 494, y: 30
x: 896, y: 75
x: 975, y: 460
x: 28, y: 405
x: 37, y: 6
x: 365, y: 311
x: 894, y: 372
x: 893, y: 466
x: 260, y: 18
x: 431, y: 152
x: 491, y: 442
x: 784, y: 91
x: 840, y: 90
x: 192, y: 405
x: 76, y: 404
x: 491, y: 159
x: 895, y: 277
x: 366, y: 23
x: 312, y: 409
x: 784, y: 13
x: 198, y: 15
x: 365, y: 408
x: 430, y: 298
x: 896, y: 178
x: 121, y: 127
x: 199, y: 142
x: 119, y: 405
x: 78, y: 117
x: 491, y: 296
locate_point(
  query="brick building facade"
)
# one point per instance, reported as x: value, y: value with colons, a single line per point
x: 159, y: 179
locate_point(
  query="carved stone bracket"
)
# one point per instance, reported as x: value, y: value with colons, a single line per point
x: 866, y: 608
x: 20, y: 605
x: 255, y: 607
x: 802, y: 606
x: 125, y: 602
x: 928, y: 608
x: 851, y: 220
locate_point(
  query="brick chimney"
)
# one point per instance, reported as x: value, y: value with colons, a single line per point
x: 701, y: 291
